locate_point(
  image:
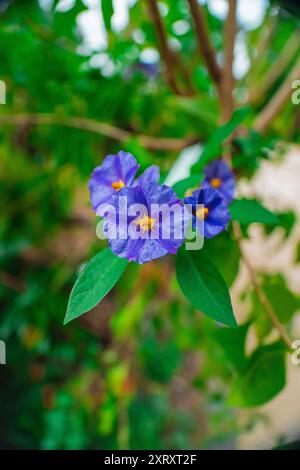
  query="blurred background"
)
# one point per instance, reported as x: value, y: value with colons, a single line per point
x: 143, y: 370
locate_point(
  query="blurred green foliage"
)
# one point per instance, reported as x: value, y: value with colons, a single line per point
x: 144, y: 370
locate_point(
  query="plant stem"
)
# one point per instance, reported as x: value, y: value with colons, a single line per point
x: 165, y: 51
x: 228, y: 78
x: 259, y: 290
x: 206, y: 50
x: 278, y: 100
x: 277, y: 69
x: 90, y: 125
x: 12, y: 282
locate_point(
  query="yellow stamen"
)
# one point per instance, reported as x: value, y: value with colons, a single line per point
x: 145, y: 223
x: 117, y: 185
x: 202, y: 213
x: 215, y: 182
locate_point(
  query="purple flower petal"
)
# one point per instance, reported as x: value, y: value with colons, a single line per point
x: 151, y: 249
x: 159, y: 225
x: 217, y: 215
x: 219, y: 176
x: 116, y: 171
x: 127, y: 167
x: 150, y: 175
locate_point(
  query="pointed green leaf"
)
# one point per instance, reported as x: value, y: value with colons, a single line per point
x: 247, y: 211
x: 107, y: 12
x: 284, y: 302
x: 233, y: 344
x: 213, y: 148
x: 263, y: 379
x: 95, y: 281
x: 225, y: 251
x: 191, y: 182
x: 203, y: 285
x: 286, y: 220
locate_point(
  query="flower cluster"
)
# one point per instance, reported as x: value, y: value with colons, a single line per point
x: 145, y: 220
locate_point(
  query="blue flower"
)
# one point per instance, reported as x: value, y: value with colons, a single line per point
x: 116, y: 172
x: 219, y: 176
x: 139, y: 226
x: 213, y: 216
x: 150, y: 175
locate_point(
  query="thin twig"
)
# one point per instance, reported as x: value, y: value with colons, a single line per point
x: 228, y: 78
x: 258, y: 52
x: 90, y: 125
x: 203, y: 41
x: 227, y: 83
x: 11, y: 281
x: 273, y: 107
x: 259, y: 290
x: 276, y: 69
x: 165, y: 51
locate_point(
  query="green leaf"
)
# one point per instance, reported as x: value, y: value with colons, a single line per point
x: 213, y: 148
x: 203, y: 285
x: 107, y: 12
x: 286, y: 220
x: 65, y: 21
x: 191, y: 182
x: 233, y: 342
x: 295, y: 445
x: 96, y: 280
x: 284, y: 302
x: 250, y: 149
x: 247, y: 211
x: 263, y: 379
x: 225, y: 251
